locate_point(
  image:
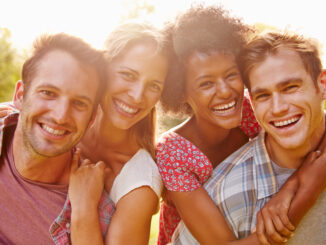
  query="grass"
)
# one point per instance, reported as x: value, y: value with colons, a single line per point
x: 154, y: 229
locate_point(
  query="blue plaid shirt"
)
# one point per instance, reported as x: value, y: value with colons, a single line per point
x: 60, y: 228
x: 240, y: 186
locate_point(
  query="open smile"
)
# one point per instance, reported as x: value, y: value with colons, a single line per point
x: 52, y: 131
x: 286, y: 122
x: 125, y: 108
x: 225, y: 108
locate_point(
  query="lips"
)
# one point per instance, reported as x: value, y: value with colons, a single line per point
x: 286, y: 122
x: 225, y: 108
x: 125, y: 107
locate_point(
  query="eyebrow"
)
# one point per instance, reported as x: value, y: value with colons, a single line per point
x: 130, y: 69
x: 278, y: 86
x: 209, y: 76
x: 134, y: 71
x: 82, y: 97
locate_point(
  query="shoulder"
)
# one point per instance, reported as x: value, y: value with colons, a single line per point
x: 140, y: 171
x: 249, y: 124
x: 233, y: 167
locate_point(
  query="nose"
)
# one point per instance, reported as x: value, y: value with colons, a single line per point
x: 61, y: 112
x: 223, y: 90
x: 136, y: 91
x: 278, y: 105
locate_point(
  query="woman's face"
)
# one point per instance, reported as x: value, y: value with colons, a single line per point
x: 214, y: 88
x: 135, y: 82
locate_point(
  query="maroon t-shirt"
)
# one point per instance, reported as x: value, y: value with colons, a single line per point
x: 27, y: 208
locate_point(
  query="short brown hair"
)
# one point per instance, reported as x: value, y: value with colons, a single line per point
x: 75, y: 46
x: 270, y: 43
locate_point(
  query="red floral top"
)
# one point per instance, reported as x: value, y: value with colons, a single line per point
x: 183, y: 167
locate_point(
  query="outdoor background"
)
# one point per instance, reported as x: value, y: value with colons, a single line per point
x: 21, y: 21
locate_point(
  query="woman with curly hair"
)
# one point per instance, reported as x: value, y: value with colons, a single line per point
x: 208, y: 88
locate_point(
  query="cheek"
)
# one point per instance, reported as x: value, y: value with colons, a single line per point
x: 152, y: 98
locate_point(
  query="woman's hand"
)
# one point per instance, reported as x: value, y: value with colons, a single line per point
x: 273, y: 223
x: 300, y: 191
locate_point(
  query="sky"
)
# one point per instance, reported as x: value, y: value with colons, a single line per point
x: 94, y: 19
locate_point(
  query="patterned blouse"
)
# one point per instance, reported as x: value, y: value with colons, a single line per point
x: 183, y: 167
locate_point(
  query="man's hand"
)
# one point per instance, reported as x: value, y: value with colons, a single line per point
x: 86, y: 183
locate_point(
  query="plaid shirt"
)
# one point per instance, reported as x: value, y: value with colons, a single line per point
x: 60, y: 228
x: 240, y: 186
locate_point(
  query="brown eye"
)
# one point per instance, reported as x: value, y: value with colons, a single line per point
x: 155, y: 87
x: 206, y: 84
x: 127, y: 76
x: 80, y: 105
x: 47, y: 93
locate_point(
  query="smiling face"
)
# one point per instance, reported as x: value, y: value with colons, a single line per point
x: 286, y: 102
x: 214, y: 88
x: 135, y: 83
x: 58, y: 105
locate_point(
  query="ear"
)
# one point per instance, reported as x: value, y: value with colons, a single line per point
x: 18, y: 95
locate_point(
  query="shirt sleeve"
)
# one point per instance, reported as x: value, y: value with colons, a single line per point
x: 249, y: 124
x: 140, y: 170
x: 181, y: 165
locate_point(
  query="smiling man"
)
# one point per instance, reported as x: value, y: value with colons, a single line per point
x: 284, y: 76
x: 57, y: 98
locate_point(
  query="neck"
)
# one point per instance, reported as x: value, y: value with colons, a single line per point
x: 32, y: 166
x: 207, y: 135
x: 292, y: 158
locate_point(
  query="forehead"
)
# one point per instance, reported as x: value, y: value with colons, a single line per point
x: 60, y: 69
x: 276, y: 68
x: 214, y: 61
x: 201, y: 58
x: 141, y: 56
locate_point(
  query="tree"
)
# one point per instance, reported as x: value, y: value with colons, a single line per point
x: 10, y: 66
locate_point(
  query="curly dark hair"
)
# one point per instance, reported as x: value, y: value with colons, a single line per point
x: 203, y: 29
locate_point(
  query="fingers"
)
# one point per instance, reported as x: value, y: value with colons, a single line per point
x: 287, y: 223
x: 260, y: 230
x: 85, y: 162
x: 271, y: 231
x: 100, y: 165
x: 5, y: 112
x: 75, y: 160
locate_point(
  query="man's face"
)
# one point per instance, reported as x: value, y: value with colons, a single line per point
x: 286, y: 102
x: 58, y: 105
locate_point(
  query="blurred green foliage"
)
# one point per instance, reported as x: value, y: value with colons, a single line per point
x: 10, y: 66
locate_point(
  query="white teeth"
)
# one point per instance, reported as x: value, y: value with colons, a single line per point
x: 126, y: 108
x: 55, y: 132
x: 286, y: 122
x: 225, y: 106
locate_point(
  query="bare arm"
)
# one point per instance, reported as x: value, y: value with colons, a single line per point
x: 277, y: 220
x: 85, y: 187
x: 204, y: 220
x: 132, y: 219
